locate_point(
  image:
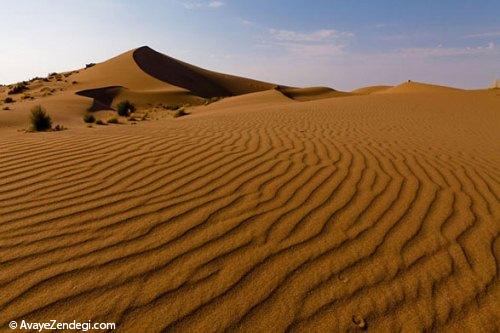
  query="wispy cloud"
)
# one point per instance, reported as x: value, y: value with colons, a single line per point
x: 315, y: 36
x: 440, y: 51
x: 198, y: 4
x: 488, y: 34
x: 318, y: 43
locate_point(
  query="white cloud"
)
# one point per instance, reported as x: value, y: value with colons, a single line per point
x: 319, y: 43
x: 315, y: 36
x: 198, y: 4
x: 484, y: 35
x: 215, y: 4
x: 440, y: 51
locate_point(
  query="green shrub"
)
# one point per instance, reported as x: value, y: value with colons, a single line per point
x: 18, y: 88
x: 39, y: 119
x: 113, y: 120
x: 88, y: 118
x: 180, y: 113
x: 125, y: 108
x: 172, y: 107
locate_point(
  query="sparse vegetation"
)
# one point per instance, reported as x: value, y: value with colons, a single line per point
x: 6, y: 108
x: 9, y: 100
x: 88, y: 118
x: 39, y: 119
x: 18, y: 88
x: 59, y: 128
x: 100, y: 122
x: 113, y: 120
x: 212, y: 100
x: 172, y: 107
x: 125, y: 108
x: 180, y: 112
x: 90, y: 65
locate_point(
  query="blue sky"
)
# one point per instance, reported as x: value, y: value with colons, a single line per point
x: 341, y: 44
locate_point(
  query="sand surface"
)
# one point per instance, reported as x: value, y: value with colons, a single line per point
x: 257, y: 213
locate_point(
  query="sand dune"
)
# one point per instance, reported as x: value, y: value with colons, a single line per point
x: 255, y: 213
x: 417, y: 87
x: 370, y: 90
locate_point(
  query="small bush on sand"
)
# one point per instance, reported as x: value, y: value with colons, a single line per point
x: 9, y: 100
x: 100, y: 122
x: 212, y: 100
x: 90, y: 65
x: 113, y: 120
x: 125, y: 108
x: 172, y: 107
x: 39, y: 119
x: 88, y: 118
x: 6, y: 108
x: 180, y: 113
x: 18, y: 88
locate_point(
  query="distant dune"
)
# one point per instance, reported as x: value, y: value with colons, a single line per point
x: 265, y: 209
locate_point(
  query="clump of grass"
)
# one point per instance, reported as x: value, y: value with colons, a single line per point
x: 125, y: 108
x: 113, y: 120
x: 59, y: 128
x: 39, y: 119
x: 18, y: 88
x: 88, y: 118
x: 180, y: 112
x: 212, y: 100
x: 9, y: 100
x: 100, y: 122
x: 90, y: 65
x: 171, y: 107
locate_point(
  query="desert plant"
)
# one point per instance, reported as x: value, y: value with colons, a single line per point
x: 90, y: 65
x: 100, y: 122
x: 9, y: 100
x: 113, y: 120
x: 180, y: 113
x: 39, y: 119
x: 88, y: 118
x: 124, y: 108
x: 59, y: 128
x: 172, y: 107
x: 6, y: 108
x: 18, y: 88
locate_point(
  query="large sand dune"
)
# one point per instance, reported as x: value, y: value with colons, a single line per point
x: 256, y: 213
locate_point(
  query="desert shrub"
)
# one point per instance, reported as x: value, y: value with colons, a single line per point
x: 74, y: 82
x: 6, y: 108
x: 113, y: 120
x: 18, y: 88
x: 88, y: 118
x: 39, y: 119
x: 125, y: 108
x: 172, y: 107
x: 179, y: 113
x: 90, y: 65
x: 9, y: 100
x: 100, y: 122
x: 59, y: 128
x: 212, y: 100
